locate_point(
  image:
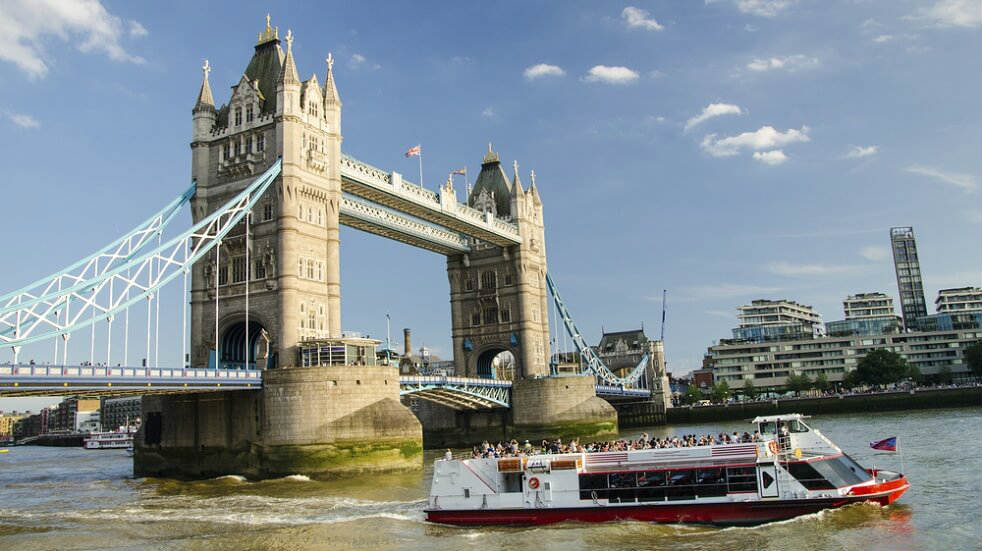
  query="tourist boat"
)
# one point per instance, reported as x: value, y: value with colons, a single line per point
x: 791, y: 470
x: 123, y: 438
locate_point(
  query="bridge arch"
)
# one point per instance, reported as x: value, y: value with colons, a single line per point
x: 496, y: 362
x: 234, y: 344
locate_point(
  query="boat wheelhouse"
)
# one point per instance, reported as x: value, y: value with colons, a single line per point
x: 790, y: 470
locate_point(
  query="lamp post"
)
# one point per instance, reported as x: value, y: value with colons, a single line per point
x: 388, y: 345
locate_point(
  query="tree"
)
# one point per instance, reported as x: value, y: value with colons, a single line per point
x: 822, y: 382
x: 944, y: 375
x: 692, y: 395
x: 749, y: 390
x: 798, y: 383
x: 721, y: 392
x: 851, y: 379
x: 973, y: 357
x: 881, y: 367
x: 914, y: 374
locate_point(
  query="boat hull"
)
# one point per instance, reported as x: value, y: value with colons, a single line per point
x: 757, y: 511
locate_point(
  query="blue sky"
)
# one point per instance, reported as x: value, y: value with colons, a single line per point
x: 725, y: 150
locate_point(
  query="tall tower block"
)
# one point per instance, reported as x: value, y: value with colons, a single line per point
x: 908, y: 268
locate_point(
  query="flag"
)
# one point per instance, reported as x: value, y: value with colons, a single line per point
x: 887, y: 444
x: 414, y: 151
x: 461, y: 171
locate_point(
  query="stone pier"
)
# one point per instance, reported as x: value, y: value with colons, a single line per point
x: 318, y: 421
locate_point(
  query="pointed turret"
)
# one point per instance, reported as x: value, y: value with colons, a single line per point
x: 534, y: 191
x: 288, y: 75
x: 516, y: 180
x: 205, y: 100
x: 331, y: 96
x: 493, y: 181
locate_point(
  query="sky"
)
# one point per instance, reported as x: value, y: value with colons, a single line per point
x: 723, y: 150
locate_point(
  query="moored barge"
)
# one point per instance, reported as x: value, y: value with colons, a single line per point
x: 791, y: 470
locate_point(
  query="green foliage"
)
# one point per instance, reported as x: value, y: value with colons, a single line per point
x: 692, y: 395
x: 851, y: 380
x: 822, y: 382
x: 944, y: 375
x: 881, y: 367
x: 721, y: 392
x: 798, y: 383
x: 914, y: 374
x: 749, y: 390
x: 973, y: 357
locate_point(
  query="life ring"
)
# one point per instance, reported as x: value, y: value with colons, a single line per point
x: 772, y: 446
x: 534, y: 483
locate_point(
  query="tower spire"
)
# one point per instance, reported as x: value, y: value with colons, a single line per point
x: 205, y: 99
x: 288, y: 75
x: 330, y: 89
x: 516, y: 180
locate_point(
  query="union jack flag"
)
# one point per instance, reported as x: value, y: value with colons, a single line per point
x: 414, y: 151
x: 887, y: 444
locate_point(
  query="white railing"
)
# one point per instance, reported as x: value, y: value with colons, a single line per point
x: 14, y: 372
x: 445, y: 380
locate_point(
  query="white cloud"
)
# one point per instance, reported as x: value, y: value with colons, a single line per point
x: 789, y: 63
x: 137, y: 30
x: 611, y: 75
x: 874, y: 252
x: 859, y: 151
x: 750, y: 28
x: 870, y: 24
x: 713, y: 110
x: 883, y: 38
x: 773, y: 158
x: 766, y: 137
x: 963, y: 181
x: 357, y: 59
x: 488, y: 112
x: 637, y: 18
x: 85, y: 23
x: 763, y: 8
x: 950, y: 13
x: 543, y: 70
x: 23, y: 121
x: 790, y: 269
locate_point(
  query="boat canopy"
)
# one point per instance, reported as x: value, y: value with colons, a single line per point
x: 774, y: 418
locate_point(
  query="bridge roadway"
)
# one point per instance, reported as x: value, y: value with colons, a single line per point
x: 461, y: 393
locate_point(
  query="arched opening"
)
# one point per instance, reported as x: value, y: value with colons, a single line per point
x: 234, y: 347
x: 496, y: 363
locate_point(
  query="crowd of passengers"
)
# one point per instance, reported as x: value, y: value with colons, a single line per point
x: 512, y: 448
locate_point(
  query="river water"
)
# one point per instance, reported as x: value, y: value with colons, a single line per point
x: 68, y: 498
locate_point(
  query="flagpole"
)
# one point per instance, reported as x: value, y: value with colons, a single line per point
x: 420, y: 166
x: 903, y: 470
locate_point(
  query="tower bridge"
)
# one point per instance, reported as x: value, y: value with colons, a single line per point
x: 260, y: 268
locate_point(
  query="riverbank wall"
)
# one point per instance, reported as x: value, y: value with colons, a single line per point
x: 858, y: 403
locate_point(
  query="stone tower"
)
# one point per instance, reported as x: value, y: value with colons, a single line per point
x: 293, y: 268
x: 498, y: 295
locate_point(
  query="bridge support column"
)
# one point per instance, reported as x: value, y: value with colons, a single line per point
x: 319, y: 421
x: 565, y: 407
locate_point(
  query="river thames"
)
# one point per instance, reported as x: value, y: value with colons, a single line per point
x: 69, y: 498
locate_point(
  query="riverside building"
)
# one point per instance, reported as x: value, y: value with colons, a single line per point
x: 908, y: 268
x: 767, y: 360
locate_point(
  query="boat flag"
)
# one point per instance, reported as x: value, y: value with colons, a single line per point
x: 415, y: 150
x: 887, y: 444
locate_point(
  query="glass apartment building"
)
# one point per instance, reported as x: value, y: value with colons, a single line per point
x: 908, y: 268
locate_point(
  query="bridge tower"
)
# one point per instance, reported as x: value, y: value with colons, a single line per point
x: 318, y: 417
x: 499, y: 303
x: 498, y: 294
x: 293, y: 268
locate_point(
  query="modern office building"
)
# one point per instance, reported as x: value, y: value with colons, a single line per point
x: 777, y: 319
x: 908, y: 268
x: 768, y: 364
x: 867, y: 314
x: 868, y: 305
x: 962, y: 299
x: 120, y: 412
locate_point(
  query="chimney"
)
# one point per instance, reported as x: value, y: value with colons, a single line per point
x: 407, y: 337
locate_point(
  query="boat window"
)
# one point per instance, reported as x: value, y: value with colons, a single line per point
x: 711, y: 482
x: 680, y: 485
x: 770, y: 427
x: 810, y: 478
x: 798, y: 426
x: 593, y: 485
x: 839, y: 471
x: 623, y: 480
x: 651, y: 478
x: 741, y: 479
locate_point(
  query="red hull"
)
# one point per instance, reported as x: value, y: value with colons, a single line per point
x: 752, y: 512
